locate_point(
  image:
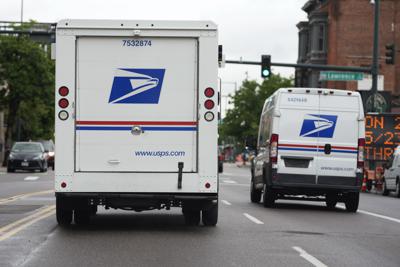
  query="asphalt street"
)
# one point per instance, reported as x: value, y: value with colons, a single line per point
x: 294, y: 233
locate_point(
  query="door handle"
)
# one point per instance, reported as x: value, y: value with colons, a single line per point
x: 114, y: 161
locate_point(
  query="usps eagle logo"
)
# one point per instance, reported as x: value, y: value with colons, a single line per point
x: 318, y: 126
x: 137, y: 86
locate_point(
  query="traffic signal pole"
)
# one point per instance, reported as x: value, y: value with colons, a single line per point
x: 375, y: 56
x: 304, y: 66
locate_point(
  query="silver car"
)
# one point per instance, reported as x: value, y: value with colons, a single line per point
x: 392, y: 174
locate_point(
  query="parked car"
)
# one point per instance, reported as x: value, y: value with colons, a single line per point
x: 49, y: 149
x: 392, y: 174
x: 27, y: 156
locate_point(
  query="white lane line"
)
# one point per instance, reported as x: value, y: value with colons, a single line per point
x: 253, y: 219
x: 226, y: 202
x: 229, y: 182
x: 31, y: 178
x: 375, y: 215
x: 310, y: 258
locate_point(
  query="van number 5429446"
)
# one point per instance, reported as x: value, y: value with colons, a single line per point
x: 136, y: 43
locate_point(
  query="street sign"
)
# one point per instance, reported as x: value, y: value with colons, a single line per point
x: 340, y: 76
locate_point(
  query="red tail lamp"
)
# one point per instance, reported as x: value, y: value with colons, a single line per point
x: 209, y: 104
x: 63, y: 103
x: 209, y: 92
x: 63, y: 91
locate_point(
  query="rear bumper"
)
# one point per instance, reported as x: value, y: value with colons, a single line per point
x: 136, y: 201
x: 312, y: 183
x: 166, y: 196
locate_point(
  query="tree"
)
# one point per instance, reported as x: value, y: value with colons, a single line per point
x: 242, y: 121
x: 26, y: 89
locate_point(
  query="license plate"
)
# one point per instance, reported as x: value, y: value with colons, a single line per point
x: 24, y: 164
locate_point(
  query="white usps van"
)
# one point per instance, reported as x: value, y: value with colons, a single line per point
x: 136, y: 118
x: 311, y: 143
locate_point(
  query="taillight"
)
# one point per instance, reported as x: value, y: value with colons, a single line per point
x: 273, y: 151
x: 63, y: 115
x: 63, y: 91
x: 63, y: 103
x: 360, y: 155
x: 209, y: 92
x: 209, y: 116
x: 209, y: 104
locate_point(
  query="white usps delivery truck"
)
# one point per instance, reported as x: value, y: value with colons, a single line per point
x: 311, y: 143
x: 136, y: 118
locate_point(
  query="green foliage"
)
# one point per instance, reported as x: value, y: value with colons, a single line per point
x: 242, y: 121
x: 26, y: 88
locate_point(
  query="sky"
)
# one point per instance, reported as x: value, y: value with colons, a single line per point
x: 247, y: 28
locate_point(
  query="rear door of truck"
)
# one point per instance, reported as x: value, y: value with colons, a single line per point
x: 337, y: 157
x: 136, y: 104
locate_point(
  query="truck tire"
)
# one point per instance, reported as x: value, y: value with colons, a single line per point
x: 210, y: 216
x: 63, y: 214
x: 397, y: 194
x: 269, y: 197
x: 351, y: 201
x: 192, y: 217
x: 220, y: 167
x: 255, y: 195
x: 331, y: 200
x: 82, y: 216
x: 385, y: 191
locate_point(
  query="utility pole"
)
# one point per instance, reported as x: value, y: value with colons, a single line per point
x: 22, y: 11
x: 375, y: 55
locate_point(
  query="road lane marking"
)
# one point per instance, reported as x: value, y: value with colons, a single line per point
x: 17, y: 226
x: 310, y: 258
x: 229, y: 182
x: 375, y: 215
x: 253, y: 219
x: 226, y: 202
x: 31, y: 178
x: 17, y: 197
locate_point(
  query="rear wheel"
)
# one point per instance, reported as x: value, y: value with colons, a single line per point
x: 269, y: 197
x: 63, y: 214
x: 351, y: 201
x: 10, y: 169
x: 397, y: 189
x: 220, y: 167
x: 331, y: 200
x: 255, y: 195
x: 385, y: 191
x: 210, y: 216
x: 192, y: 217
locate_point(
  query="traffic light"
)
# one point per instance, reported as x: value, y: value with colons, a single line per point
x: 390, y: 54
x: 265, y: 66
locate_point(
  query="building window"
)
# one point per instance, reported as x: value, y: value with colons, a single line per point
x: 321, y: 37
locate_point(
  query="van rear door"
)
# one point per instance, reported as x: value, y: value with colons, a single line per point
x: 338, y: 138
x: 136, y: 104
x: 297, y: 147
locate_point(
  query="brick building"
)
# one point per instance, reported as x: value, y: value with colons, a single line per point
x: 340, y: 32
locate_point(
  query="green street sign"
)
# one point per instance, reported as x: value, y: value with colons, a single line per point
x: 340, y: 76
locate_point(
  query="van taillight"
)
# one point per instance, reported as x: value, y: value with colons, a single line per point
x: 273, y: 152
x: 360, y: 155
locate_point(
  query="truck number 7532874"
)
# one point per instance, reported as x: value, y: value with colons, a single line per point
x: 136, y: 43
